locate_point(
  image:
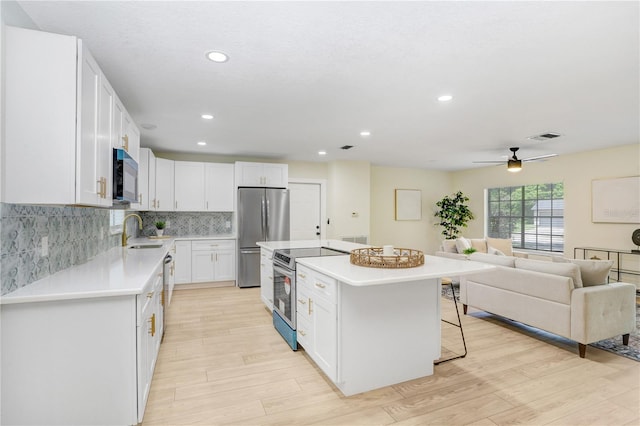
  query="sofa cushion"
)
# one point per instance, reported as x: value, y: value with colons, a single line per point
x: 508, y: 261
x: 565, y: 269
x: 495, y: 251
x: 502, y: 244
x: 462, y: 244
x: 480, y: 244
x: 449, y: 246
x: 592, y: 272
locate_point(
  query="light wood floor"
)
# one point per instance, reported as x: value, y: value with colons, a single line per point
x: 223, y: 363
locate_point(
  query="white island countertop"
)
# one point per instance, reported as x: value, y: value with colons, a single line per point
x: 340, y: 268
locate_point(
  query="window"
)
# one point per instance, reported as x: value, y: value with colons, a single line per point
x: 532, y: 216
x: 115, y: 221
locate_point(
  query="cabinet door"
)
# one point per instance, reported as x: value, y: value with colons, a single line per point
x: 225, y: 265
x: 189, y: 186
x: 118, y: 126
x: 275, y: 175
x: 266, y: 278
x: 219, y: 187
x: 164, y: 185
x: 143, y: 180
x: 202, y: 266
x: 182, y: 262
x: 131, y: 137
x: 153, y: 201
x: 250, y: 174
x: 90, y: 186
x: 324, y: 331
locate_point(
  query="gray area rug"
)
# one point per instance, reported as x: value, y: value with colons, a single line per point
x: 611, y: 345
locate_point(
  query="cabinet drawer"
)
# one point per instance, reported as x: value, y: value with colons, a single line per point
x: 303, y: 333
x: 197, y: 245
x: 324, y: 287
x: 303, y: 276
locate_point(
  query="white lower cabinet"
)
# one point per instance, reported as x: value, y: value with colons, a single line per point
x: 212, y: 260
x: 317, y: 320
x: 182, y: 262
x: 80, y: 361
x: 266, y: 277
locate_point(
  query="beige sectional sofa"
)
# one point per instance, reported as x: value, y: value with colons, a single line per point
x: 568, y: 299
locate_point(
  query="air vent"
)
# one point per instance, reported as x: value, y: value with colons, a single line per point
x: 544, y: 136
x: 346, y: 147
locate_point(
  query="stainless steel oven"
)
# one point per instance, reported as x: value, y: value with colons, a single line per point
x: 284, y: 288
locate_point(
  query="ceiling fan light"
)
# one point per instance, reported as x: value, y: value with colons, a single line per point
x: 514, y: 166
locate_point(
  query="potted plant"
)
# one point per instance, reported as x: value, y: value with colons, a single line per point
x: 160, y: 228
x: 469, y: 251
x: 453, y: 214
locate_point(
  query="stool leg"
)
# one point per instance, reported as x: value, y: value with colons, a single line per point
x: 459, y: 325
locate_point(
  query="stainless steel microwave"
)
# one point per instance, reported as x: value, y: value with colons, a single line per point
x: 125, y: 177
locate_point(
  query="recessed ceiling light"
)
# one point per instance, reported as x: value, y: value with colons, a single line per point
x: 202, y: 143
x: 445, y: 98
x: 207, y: 116
x: 365, y: 133
x: 322, y: 152
x: 217, y: 56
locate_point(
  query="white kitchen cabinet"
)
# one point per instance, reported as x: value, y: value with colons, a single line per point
x: 126, y: 133
x: 317, y: 319
x: 151, y: 195
x: 212, y: 260
x: 266, y: 277
x: 262, y: 174
x: 143, y: 179
x: 219, y: 187
x: 85, y: 361
x: 54, y: 77
x: 182, y: 262
x: 164, y: 194
x: 189, y: 186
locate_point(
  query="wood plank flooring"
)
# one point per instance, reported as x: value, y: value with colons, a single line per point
x: 222, y: 362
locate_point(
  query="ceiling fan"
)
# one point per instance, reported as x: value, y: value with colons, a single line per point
x: 514, y: 164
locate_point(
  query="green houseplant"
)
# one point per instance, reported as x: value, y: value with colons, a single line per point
x: 453, y: 214
x: 160, y: 227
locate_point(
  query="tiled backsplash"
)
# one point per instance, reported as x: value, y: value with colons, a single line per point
x: 183, y: 224
x: 77, y: 234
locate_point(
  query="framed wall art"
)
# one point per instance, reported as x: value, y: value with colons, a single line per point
x: 408, y: 204
x: 616, y: 200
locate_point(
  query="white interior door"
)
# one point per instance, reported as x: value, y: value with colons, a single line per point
x: 304, y: 206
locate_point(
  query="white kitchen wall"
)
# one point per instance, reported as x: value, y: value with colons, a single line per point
x: 576, y: 171
x: 416, y: 234
x: 349, y: 192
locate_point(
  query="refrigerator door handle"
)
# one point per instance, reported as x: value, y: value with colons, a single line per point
x: 264, y: 218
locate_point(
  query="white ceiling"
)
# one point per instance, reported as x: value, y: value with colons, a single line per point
x: 309, y: 76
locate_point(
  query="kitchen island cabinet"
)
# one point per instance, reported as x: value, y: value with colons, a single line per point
x: 80, y: 346
x: 367, y: 328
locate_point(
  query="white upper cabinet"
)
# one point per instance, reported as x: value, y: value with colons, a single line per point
x: 151, y: 175
x: 262, y: 174
x: 219, y: 188
x: 189, y: 186
x: 52, y: 80
x: 126, y: 133
x: 143, y: 178
x: 164, y: 196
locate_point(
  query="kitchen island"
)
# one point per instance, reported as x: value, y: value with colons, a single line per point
x: 367, y: 328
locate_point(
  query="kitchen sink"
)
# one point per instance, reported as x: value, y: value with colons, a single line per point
x: 145, y: 246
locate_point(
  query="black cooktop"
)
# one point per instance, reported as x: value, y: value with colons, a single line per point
x: 288, y: 256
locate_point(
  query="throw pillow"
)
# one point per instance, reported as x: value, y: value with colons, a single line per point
x: 462, y: 244
x: 502, y: 244
x: 592, y: 272
x: 564, y: 269
x: 480, y: 244
x: 449, y: 246
x: 495, y: 252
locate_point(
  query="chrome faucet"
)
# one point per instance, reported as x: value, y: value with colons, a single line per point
x: 125, y: 237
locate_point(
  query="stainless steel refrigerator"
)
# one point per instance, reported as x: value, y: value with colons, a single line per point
x: 263, y: 215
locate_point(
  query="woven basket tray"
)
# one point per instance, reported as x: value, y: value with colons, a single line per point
x: 373, y: 258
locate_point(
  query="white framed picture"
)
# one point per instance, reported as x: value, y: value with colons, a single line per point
x: 616, y: 200
x: 408, y: 204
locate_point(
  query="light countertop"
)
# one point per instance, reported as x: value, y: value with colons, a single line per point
x: 117, y: 272
x: 340, y: 268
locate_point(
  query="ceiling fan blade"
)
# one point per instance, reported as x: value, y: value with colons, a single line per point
x: 490, y: 162
x: 539, y: 157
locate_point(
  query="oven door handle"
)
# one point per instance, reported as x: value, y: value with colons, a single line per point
x: 283, y: 271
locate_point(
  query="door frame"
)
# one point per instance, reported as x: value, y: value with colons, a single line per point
x: 323, y: 201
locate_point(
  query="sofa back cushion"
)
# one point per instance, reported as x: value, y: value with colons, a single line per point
x: 449, y: 246
x: 564, y: 269
x: 462, y: 244
x: 507, y: 261
x: 592, y: 272
x: 480, y: 244
x: 502, y: 244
